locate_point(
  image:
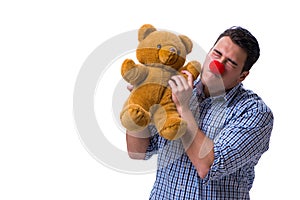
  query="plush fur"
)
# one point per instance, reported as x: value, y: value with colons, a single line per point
x: 161, y: 54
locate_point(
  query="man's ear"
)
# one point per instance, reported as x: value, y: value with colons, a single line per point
x: 243, y: 75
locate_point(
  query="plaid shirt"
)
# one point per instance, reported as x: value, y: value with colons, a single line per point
x: 240, y: 125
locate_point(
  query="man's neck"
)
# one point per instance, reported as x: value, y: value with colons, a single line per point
x: 209, y: 93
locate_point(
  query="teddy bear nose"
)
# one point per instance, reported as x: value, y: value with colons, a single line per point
x: 168, y: 55
x: 172, y: 49
x: 169, y: 49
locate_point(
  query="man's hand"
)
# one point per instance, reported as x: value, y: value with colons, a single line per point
x: 182, y: 91
x: 130, y: 87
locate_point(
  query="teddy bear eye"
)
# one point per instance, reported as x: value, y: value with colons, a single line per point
x: 159, y: 46
x: 178, y: 52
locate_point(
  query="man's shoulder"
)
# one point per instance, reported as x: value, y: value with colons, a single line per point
x: 246, y: 99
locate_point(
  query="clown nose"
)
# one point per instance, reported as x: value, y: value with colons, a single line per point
x: 216, y: 67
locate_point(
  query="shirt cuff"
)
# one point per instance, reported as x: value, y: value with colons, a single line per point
x: 153, y: 144
x: 215, y: 169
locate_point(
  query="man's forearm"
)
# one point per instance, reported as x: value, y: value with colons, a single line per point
x: 198, y: 146
x: 137, y: 143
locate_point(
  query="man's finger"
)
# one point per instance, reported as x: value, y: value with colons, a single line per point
x: 189, y: 77
x: 172, y: 84
x: 130, y: 87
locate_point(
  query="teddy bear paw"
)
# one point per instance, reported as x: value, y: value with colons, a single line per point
x: 134, y: 117
x: 173, y: 128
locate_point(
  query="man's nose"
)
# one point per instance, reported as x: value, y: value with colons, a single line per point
x: 223, y: 60
x: 216, y: 67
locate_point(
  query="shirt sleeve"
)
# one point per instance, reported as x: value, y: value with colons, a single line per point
x: 153, y: 145
x: 241, y: 141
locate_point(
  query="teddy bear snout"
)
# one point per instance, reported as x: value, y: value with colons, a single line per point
x: 168, y: 55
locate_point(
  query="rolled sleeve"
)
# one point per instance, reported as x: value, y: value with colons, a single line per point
x: 153, y: 145
x: 239, y: 143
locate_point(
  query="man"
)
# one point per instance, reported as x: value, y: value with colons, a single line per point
x: 229, y: 128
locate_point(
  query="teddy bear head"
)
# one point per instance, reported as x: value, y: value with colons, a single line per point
x: 162, y: 47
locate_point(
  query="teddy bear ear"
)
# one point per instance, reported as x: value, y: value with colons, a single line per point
x: 145, y: 30
x: 187, y: 43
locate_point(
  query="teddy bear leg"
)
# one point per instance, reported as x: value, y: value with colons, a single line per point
x: 134, y: 117
x: 173, y: 128
x: 168, y: 122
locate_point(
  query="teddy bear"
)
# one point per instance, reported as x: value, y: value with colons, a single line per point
x: 161, y: 55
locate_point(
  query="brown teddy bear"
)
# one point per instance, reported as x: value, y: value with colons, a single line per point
x: 162, y: 55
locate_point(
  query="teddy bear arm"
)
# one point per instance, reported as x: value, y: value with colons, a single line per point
x: 194, y: 67
x: 133, y: 73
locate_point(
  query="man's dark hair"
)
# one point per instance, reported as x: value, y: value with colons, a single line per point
x: 244, y: 39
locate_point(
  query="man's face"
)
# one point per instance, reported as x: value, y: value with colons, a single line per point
x: 233, y: 57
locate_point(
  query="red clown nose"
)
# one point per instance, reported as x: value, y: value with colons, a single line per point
x: 216, y: 67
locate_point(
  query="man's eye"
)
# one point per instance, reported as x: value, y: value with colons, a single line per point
x: 230, y: 64
x: 216, y: 55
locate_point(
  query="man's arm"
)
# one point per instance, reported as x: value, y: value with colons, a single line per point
x: 198, y: 147
x: 137, y: 143
x: 242, y: 140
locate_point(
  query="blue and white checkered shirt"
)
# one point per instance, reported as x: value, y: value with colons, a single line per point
x: 240, y: 125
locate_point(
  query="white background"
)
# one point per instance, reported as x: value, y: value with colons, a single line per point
x: 42, y: 48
